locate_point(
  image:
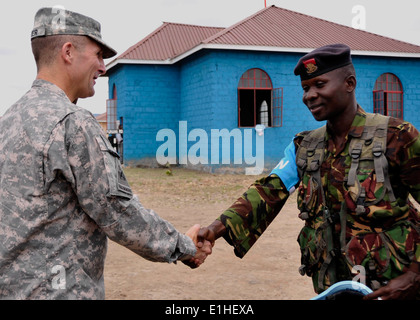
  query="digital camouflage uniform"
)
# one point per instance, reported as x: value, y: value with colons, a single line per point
x: 384, y: 238
x: 62, y: 193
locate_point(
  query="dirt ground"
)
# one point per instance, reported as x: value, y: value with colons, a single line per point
x: 269, y: 271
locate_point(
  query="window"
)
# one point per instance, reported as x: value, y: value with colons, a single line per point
x: 111, y: 112
x: 255, y: 100
x: 388, y: 96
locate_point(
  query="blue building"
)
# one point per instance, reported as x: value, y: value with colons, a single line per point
x: 194, y: 95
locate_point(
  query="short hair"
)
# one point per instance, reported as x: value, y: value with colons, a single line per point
x: 45, y: 49
x: 347, y: 71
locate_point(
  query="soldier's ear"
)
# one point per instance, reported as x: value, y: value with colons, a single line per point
x: 351, y: 83
x: 67, y: 52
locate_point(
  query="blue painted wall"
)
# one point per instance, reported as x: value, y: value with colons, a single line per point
x: 202, y: 90
x: 148, y: 100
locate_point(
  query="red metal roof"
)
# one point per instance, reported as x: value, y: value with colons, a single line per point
x: 271, y: 27
x: 168, y: 41
x: 279, y: 27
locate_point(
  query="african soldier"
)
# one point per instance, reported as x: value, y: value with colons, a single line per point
x: 62, y: 189
x: 353, y: 178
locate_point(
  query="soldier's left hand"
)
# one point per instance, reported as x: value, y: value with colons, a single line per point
x: 403, y: 287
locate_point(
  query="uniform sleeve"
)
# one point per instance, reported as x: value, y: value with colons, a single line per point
x: 93, y: 168
x: 403, y: 151
x: 411, y: 177
x: 252, y: 213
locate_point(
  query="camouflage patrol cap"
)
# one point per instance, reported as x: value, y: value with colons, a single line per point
x: 322, y: 60
x: 58, y: 21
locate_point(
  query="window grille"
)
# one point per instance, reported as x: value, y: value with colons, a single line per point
x: 264, y: 114
x: 258, y: 102
x: 278, y: 107
x: 388, y: 96
x: 111, y: 116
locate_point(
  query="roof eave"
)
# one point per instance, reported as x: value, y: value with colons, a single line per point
x: 386, y: 54
x: 135, y: 61
x: 254, y: 48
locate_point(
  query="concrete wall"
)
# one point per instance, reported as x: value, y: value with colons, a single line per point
x: 201, y: 91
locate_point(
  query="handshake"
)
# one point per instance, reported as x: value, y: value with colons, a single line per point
x: 203, y: 239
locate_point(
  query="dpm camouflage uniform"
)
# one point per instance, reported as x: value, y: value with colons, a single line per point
x: 383, y: 238
x: 62, y: 193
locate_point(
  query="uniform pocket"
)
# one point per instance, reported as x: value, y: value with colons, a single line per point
x: 308, y: 196
x: 366, y: 182
x: 312, y: 246
x: 368, y: 194
x: 403, y: 241
x: 368, y: 250
x: 118, y: 184
x: 389, y: 252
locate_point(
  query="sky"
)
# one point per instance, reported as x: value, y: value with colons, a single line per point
x: 125, y: 22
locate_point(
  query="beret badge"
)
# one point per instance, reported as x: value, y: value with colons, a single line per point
x: 310, y: 66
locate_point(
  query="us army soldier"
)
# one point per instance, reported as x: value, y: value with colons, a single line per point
x: 62, y: 189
